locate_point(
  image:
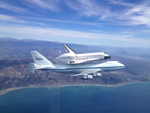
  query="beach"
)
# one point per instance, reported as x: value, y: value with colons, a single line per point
x: 63, y: 85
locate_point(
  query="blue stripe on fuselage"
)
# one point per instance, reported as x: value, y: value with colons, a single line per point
x: 82, y: 69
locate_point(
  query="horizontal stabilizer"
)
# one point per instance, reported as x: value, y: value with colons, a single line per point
x: 31, y: 67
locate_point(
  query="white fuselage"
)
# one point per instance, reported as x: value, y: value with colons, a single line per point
x: 106, y: 66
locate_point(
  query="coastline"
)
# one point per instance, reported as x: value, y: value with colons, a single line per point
x: 64, y: 85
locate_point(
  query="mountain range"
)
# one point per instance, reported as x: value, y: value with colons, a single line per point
x: 15, y: 57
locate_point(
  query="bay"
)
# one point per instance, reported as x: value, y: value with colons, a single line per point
x: 130, y: 98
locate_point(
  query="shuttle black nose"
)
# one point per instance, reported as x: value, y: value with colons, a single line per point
x: 107, y: 57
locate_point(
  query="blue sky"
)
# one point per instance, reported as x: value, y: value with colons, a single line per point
x: 123, y: 23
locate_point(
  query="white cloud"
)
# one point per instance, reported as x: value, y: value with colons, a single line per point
x: 131, y: 14
x: 71, y: 22
x: 13, y: 8
x: 33, y: 20
x: 10, y: 18
x: 23, y: 30
x: 89, y: 8
x: 44, y: 4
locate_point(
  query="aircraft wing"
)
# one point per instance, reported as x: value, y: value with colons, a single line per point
x: 88, y: 71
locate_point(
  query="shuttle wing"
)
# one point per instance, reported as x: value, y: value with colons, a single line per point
x: 88, y: 71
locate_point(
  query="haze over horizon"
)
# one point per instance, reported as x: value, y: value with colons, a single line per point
x: 123, y: 23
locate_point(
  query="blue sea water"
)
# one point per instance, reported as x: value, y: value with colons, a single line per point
x: 131, y: 98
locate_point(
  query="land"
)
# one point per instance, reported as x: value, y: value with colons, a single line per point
x: 15, y: 57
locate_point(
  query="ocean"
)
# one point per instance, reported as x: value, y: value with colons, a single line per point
x: 130, y: 98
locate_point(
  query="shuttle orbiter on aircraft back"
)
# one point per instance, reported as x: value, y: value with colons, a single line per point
x: 72, y: 58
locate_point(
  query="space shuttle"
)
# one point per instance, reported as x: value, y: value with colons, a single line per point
x: 70, y: 57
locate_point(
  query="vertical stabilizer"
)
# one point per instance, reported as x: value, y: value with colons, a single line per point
x: 68, y: 50
x: 40, y: 59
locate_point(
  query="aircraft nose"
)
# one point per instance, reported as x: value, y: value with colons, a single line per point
x: 107, y: 56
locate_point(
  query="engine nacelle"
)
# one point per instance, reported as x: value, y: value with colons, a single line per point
x: 88, y: 77
x: 97, y: 75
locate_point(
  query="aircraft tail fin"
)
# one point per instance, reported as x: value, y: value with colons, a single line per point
x: 68, y: 49
x: 40, y: 62
x: 40, y: 59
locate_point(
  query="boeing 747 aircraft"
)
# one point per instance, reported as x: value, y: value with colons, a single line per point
x: 72, y: 58
x: 86, y: 71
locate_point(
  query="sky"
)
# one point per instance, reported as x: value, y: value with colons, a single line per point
x: 121, y: 23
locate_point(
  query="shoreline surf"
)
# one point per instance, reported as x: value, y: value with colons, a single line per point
x: 64, y: 85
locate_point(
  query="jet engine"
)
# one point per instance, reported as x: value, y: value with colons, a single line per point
x: 97, y: 75
x: 88, y: 77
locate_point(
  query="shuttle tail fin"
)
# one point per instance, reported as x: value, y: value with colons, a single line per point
x: 68, y: 49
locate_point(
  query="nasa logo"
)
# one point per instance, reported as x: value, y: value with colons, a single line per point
x: 38, y: 58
